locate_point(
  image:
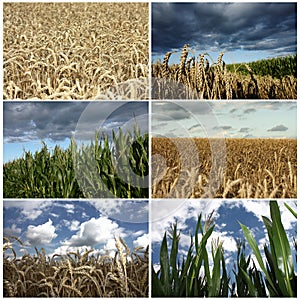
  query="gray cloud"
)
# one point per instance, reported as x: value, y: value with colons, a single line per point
x: 278, y: 128
x: 292, y: 107
x: 247, y: 136
x: 225, y: 26
x: 244, y: 129
x: 177, y: 111
x: 249, y: 110
x: 223, y: 127
x: 58, y: 120
x: 169, y: 111
x: 195, y: 126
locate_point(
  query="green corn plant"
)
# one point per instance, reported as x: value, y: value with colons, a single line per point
x: 276, y: 67
x: 101, y: 170
x: 195, y: 276
x: 278, y: 270
x: 248, y: 280
x: 192, y: 276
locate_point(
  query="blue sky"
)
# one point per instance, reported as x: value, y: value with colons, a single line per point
x: 226, y: 215
x: 25, y: 125
x: 64, y: 226
x: 233, y: 119
x: 245, y: 31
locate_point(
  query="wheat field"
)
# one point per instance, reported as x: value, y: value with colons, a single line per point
x: 202, y: 78
x: 253, y: 168
x: 75, y: 51
x: 75, y: 274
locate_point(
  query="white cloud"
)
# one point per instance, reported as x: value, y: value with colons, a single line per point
x: 66, y: 223
x: 54, y: 215
x: 142, y: 241
x: 74, y: 225
x: 84, y: 215
x: 258, y: 208
x: 262, y: 208
x: 156, y: 267
x: 262, y: 242
x: 63, y: 250
x: 107, y: 206
x: 128, y: 211
x: 185, y: 240
x: 286, y: 216
x: 229, y: 243
x: 13, y: 230
x: 70, y: 208
x: 205, y: 208
x: 221, y: 225
x: 29, y: 209
x: 94, y: 231
x: 137, y: 233
x: 166, y: 212
x: 41, y: 234
x: 109, y: 248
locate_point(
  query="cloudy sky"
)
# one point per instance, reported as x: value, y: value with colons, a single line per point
x: 63, y: 226
x: 232, y: 119
x: 226, y: 216
x: 245, y: 31
x: 27, y: 124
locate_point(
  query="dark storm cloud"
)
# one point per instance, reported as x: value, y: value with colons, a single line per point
x: 58, y: 120
x: 224, y: 26
x: 278, y: 128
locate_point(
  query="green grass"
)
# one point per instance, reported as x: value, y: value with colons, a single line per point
x: 89, y: 171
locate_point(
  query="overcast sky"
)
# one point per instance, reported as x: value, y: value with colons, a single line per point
x: 64, y: 226
x: 232, y: 119
x: 26, y: 124
x: 245, y: 31
x: 226, y: 216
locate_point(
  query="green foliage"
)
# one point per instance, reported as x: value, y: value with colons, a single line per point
x: 192, y: 276
x: 93, y: 170
x: 272, y: 275
x: 275, y: 67
x: 278, y: 270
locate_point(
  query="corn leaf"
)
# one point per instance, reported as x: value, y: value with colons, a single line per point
x: 283, y: 253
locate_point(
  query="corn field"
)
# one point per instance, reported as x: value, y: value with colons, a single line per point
x: 93, y: 170
x: 254, y: 168
x: 75, y: 274
x: 193, y: 276
x: 200, y: 78
x: 75, y: 51
x: 275, y: 67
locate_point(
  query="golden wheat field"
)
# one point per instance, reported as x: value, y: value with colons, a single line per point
x: 75, y: 274
x: 253, y: 168
x: 202, y: 78
x: 75, y: 51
